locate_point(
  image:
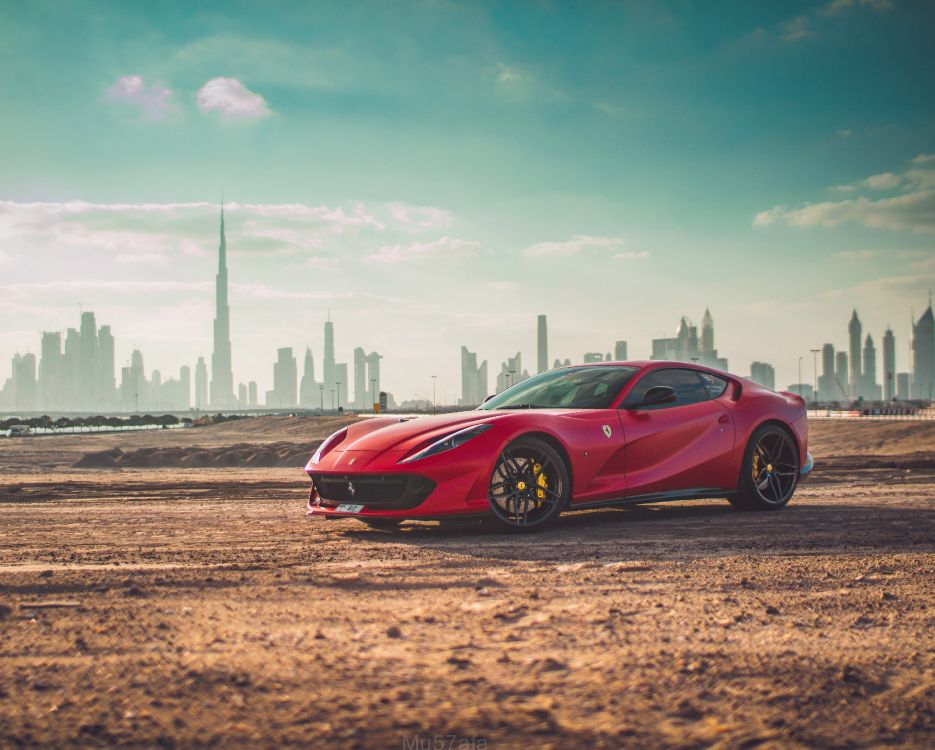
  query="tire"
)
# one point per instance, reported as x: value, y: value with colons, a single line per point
x: 382, y: 523
x: 769, y: 473
x: 529, y: 486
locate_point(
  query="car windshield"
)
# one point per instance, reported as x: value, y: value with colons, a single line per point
x: 567, y: 388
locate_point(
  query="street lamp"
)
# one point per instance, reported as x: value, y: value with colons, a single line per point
x: 373, y: 392
x: 434, y: 403
x: 815, y: 373
x: 512, y: 377
x: 332, y: 399
x: 338, y: 383
x: 800, y: 377
x: 321, y: 389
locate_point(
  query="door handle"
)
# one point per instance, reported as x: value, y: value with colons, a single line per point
x: 723, y: 419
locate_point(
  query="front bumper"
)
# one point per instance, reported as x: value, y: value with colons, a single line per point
x: 807, y: 468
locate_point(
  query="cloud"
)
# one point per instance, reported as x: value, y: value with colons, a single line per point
x: 844, y: 133
x: 836, y: 7
x: 924, y: 159
x: 508, y: 76
x: 796, y: 29
x: 444, y: 247
x: 631, y: 255
x: 154, y: 102
x: 578, y: 244
x: 232, y: 100
x: 913, y: 210
x: 148, y: 233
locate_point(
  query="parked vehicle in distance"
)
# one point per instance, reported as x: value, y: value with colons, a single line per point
x: 614, y: 433
x: 20, y: 430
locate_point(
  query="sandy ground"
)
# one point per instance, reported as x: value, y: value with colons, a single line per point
x: 198, y: 607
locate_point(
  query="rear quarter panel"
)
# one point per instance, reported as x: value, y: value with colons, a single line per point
x: 756, y: 407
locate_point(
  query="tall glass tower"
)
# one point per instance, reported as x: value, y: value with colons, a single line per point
x: 222, y: 376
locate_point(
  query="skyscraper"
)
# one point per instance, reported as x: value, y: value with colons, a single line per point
x: 222, y: 376
x: 889, y: 365
x: 285, y: 375
x: 51, y: 363
x: 329, y: 363
x: 620, y: 351
x: 104, y: 369
x: 707, y: 337
x: 840, y: 377
x: 826, y: 389
x: 511, y: 372
x: 201, y: 384
x: 88, y: 363
x: 871, y: 389
x: 923, y: 356
x: 308, y: 388
x: 543, y: 345
x: 763, y: 373
x: 854, y: 330
x: 473, y: 379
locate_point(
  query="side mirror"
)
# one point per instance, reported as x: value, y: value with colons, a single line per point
x: 658, y: 394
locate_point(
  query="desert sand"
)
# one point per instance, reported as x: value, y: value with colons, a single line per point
x: 153, y: 602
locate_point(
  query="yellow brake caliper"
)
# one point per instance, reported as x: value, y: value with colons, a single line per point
x: 756, y: 465
x: 542, y: 482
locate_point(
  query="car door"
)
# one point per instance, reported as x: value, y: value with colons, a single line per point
x: 681, y: 445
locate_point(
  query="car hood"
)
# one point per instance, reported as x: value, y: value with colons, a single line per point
x: 394, y: 433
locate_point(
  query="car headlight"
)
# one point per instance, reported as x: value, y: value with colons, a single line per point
x: 449, y: 442
x: 328, y: 444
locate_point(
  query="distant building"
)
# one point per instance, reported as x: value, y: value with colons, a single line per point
x: 620, y: 351
x: 474, y: 382
x: 854, y: 330
x: 923, y: 356
x: 201, y: 384
x: 242, y: 395
x: 542, y: 341
x: 308, y: 388
x: 511, y: 372
x: 285, y: 374
x: 366, y: 379
x: 592, y: 357
x: 558, y: 363
x: 805, y: 390
x: 687, y: 347
x: 870, y: 389
x: 222, y: 376
x: 902, y: 386
x: 840, y: 377
x: 763, y: 373
x: 252, y: 397
x: 24, y: 382
x: 889, y: 365
x: 827, y: 391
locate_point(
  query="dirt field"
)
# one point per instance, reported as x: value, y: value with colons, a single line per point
x: 192, y: 607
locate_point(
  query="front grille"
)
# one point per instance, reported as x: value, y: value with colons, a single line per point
x: 377, y: 491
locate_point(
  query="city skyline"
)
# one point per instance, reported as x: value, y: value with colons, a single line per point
x: 775, y: 162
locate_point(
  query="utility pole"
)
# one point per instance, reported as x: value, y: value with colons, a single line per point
x: 815, y: 372
x: 434, y: 402
x: 321, y: 390
x: 800, y: 377
x: 338, y: 383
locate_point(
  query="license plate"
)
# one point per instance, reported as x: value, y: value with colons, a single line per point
x: 348, y: 508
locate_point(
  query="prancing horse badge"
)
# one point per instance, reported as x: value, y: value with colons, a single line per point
x: 607, y: 430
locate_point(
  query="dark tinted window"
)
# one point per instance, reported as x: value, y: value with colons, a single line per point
x: 713, y: 384
x: 573, y: 388
x: 686, y: 383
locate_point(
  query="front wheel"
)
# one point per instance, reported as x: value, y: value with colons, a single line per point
x: 529, y: 487
x: 770, y: 470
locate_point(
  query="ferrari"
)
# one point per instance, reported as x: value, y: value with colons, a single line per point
x: 594, y: 435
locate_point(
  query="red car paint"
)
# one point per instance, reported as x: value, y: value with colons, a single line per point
x: 682, y: 451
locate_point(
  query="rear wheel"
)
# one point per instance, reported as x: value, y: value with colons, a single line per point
x: 529, y: 487
x: 770, y: 470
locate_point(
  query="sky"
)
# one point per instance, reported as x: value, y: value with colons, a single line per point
x: 436, y: 174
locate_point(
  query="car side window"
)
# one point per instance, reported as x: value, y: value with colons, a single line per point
x: 688, y: 387
x: 713, y: 384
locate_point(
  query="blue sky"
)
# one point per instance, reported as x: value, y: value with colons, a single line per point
x: 438, y: 173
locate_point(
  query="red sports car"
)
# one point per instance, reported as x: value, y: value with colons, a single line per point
x: 577, y: 437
